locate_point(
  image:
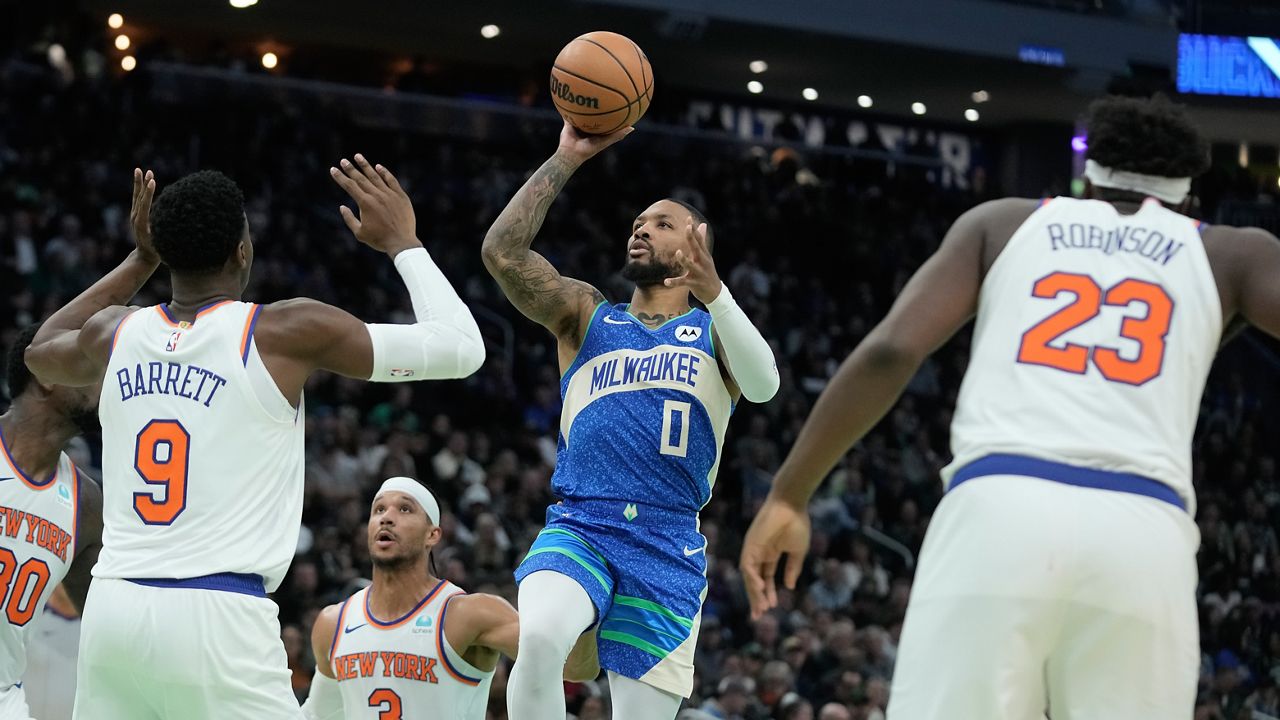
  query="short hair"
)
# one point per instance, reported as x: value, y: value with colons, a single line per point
x: 698, y: 217
x: 197, y: 222
x: 1148, y: 136
x: 18, y: 376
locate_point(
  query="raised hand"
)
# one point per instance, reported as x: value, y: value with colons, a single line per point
x: 698, y: 270
x: 386, y: 222
x: 577, y: 148
x: 779, y: 527
x: 144, y: 190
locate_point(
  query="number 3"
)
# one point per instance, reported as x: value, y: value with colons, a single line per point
x: 383, y: 696
x: 1149, y: 331
x: 161, y: 458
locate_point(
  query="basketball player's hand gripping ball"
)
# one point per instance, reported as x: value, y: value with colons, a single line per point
x: 577, y: 148
x: 386, y: 222
x: 695, y: 263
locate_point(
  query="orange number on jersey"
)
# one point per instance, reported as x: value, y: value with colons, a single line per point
x: 1149, y: 331
x: 160, y: 458
x: 383, y: 696
x: 33, y: 568
x: 1035, y: 342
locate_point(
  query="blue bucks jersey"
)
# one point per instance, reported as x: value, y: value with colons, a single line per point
x: 645, y: 413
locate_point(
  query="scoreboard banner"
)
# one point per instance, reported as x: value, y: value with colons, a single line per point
x: 1228, y: 65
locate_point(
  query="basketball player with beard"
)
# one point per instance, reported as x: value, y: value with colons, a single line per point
x: 647, y: 389
x: 387, y: 651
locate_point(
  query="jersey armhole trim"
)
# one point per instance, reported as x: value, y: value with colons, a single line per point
x: 443, y: 648
x: 337, y: 630
x: 115, y: 336
x: 590, y: 324
x: 246, y: 339
x: 77, y: 478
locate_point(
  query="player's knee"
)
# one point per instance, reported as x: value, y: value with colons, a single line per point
x: 544, y: 645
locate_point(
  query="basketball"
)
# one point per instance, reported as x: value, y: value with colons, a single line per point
x: 601, y: 82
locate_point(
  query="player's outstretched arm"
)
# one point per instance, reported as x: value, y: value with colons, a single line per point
x: 562, y: 305
x: 59, y: 354
x: 324, y: 701
x: 940, y: 298
x: 88, y: 539
x: 300, y: 336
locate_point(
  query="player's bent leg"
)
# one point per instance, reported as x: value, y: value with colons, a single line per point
x: 554, y: 611
x: 635, y: 700
x: 984, y: 607
x: 1130, y: 644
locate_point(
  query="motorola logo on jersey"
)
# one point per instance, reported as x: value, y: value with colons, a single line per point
x: 688, y: 333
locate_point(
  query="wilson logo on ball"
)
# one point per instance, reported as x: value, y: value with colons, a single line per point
x: 564, y: 92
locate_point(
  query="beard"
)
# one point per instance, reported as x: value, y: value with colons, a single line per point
x: 395, y: 563
x: 647, y: 274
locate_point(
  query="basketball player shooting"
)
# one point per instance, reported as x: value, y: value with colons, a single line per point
x: 1059, y: 571
x: 388, y: 648
x: 51, y: 510
x: 647, y: 391
x: 202, y: 418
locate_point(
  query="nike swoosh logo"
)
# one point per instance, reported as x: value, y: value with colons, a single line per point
x: 691, y: 553
x: 6, y: 478
x: 353, y: 629
x: 611, y: 321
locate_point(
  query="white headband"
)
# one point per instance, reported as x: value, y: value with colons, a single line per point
x: 415, y: 490
x: 1167, y: 189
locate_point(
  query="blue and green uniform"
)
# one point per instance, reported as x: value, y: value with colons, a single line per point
x: 641, y: 430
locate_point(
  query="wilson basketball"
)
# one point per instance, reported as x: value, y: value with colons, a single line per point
x: 601, y: 82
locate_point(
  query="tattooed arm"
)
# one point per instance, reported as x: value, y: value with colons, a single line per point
x: 562, y: 305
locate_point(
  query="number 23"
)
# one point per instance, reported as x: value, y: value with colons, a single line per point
x: 1149, y: 331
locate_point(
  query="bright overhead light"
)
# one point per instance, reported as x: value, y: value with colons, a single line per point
x: 918, y: 108
x: 981, y: 96
x: 758, y: 66
x: 864, y: 101
x: 115, y: 21
x: 242, y: 4
x: 122, y: 42
x: 489, y: 32
x: 128, y: 62
x: 755, y: 87
x: 971, y: 115
x: 269, y: 60
x: 810, y: 94
x: 57, y: 55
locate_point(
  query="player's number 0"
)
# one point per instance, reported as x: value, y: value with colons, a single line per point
x: 675, y: 422
x: 161, y: 458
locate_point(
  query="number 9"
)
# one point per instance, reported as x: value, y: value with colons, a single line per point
x: 161, y: 458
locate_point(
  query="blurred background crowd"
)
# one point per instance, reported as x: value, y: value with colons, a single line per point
x: 814, y: 245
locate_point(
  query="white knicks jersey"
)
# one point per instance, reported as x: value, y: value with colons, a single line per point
x: 1094, y: 338
x: 37, y: 543
x: 405, y: 667
x: 202, y: 456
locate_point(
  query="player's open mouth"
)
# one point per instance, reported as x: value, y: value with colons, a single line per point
x: 384, y: 539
